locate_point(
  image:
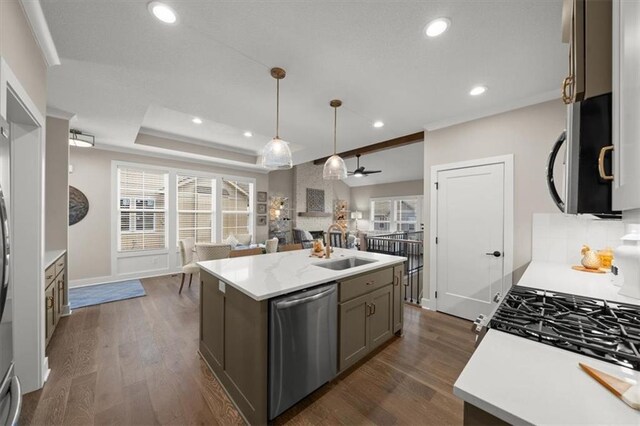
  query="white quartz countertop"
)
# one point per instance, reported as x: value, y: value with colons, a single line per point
x: 269, y: 275
x: 525, y: 382
x: 51, y: 255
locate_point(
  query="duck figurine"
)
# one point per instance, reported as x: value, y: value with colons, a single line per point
x: 590, y: 258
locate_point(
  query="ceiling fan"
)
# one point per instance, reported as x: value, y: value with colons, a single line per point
x: 360, y: 171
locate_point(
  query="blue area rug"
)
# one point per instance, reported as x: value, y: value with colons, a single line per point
x: 80, y: 297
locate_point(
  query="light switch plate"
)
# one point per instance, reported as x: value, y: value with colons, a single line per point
x: 222, y: 286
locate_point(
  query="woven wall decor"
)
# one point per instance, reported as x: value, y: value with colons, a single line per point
x: 78, y: 205
x: 315, y: 200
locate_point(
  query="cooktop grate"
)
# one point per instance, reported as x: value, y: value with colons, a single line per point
x: 601, y: 329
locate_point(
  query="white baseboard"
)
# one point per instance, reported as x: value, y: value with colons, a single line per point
x: 428, y: 304
x: 66, y: 310
x: 90, y: 281
x: 46, y: 370
x: 85, y: 282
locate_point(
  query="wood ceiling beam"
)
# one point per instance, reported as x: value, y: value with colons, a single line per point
x: 380, y: 146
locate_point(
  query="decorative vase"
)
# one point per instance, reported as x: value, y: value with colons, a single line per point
x: 590, y: 258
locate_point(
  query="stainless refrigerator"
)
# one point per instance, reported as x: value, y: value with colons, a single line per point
x: 10, y: 393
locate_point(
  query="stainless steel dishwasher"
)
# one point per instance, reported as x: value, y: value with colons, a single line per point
x: 303, y: 338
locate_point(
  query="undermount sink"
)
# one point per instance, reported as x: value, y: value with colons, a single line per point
x: 342, y: 264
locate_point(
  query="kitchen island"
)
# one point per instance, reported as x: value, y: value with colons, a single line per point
x: 520, y: 381
x: 234, y: 313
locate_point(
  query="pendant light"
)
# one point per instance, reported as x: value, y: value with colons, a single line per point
x: 334, y: 168
x: 276, y: 154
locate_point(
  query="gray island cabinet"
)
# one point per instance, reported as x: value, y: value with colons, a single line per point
x: 234, y: 318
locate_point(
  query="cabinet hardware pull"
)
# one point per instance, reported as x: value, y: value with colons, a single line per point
x: 603, y: 153
x: 567, y: 98
x: 368, y: 310
x: 373, y: 305
x: 49, y: 277
x: 49, y: 302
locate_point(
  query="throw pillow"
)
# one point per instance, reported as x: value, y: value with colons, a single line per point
x: 232, y: 241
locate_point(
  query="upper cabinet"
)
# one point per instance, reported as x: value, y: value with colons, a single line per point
x: 586, y: 26
x: 626, y: 104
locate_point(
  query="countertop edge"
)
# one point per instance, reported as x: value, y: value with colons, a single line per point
x: 488, y: 407
x: 302, y: 286
x: 51, y: 256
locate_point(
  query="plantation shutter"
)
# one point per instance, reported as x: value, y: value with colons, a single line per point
x: 142, y: 204
x: 196, y: 214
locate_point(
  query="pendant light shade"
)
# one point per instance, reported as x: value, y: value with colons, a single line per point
x: 334, y: 167
x: 276, y: 154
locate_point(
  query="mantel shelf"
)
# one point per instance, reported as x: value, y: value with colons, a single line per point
x: 314, y: 214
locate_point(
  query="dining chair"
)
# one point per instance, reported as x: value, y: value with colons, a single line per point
x: 245, y: 252
x: 337, y: 239
x: 291, y: 247
x: 271, y: 246
x: 189, y: 265
x: 212, y: 251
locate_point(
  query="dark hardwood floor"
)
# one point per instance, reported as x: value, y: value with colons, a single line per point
x: 135, y: 362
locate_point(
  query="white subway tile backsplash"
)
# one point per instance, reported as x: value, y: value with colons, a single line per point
x: 559, y: 238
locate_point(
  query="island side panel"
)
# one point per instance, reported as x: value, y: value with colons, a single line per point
x: 212, y: 304
x: 398, y: 299
x: 234, y: 342
x: 246, y: 353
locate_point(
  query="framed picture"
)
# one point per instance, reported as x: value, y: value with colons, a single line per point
x: 262, y: 197
x: 262, y: 209
x: 262, y: 220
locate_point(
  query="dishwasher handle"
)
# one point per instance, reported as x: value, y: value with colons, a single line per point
x: 285, y: 304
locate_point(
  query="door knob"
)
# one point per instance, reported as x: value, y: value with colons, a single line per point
x: 494, y: 254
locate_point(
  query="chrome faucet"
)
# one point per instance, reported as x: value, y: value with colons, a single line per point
x: 332, y: 226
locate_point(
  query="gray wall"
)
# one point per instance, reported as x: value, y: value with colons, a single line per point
x: 281, y: 183
x: 19, y: 48
x: 56, y: 184
x: 527, y: 133
x: 90, y: 239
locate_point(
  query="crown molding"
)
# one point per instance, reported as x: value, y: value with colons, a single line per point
x: 509, y: 106
x: 193, y: 141
x: 58, y: 113
x: 168, y: 156
x: 40, y: 29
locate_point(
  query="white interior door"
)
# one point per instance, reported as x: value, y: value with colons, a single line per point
x: 470, y: 239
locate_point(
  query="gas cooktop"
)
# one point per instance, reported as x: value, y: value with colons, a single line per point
x: 601, y: 329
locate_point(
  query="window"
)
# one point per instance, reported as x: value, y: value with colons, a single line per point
x: 398, y: 214
x: 406, y: 215
x: 142, y: 209
x: 237, y: 208
x: 381, y: 211
x: 196, y: 214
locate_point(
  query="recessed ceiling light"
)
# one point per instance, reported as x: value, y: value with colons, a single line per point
x: 478, y: 90
x: 163, y: 12
x: 247, y: 134
x: 197, y: 120
x: 437, y: 27
x: 378, y: 124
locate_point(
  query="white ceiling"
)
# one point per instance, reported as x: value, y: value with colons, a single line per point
x: 122, y: 70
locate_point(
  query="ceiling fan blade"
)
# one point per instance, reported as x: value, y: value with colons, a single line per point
x: 370, y: 172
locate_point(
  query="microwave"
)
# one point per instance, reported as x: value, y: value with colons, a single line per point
x: 588, y: 162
